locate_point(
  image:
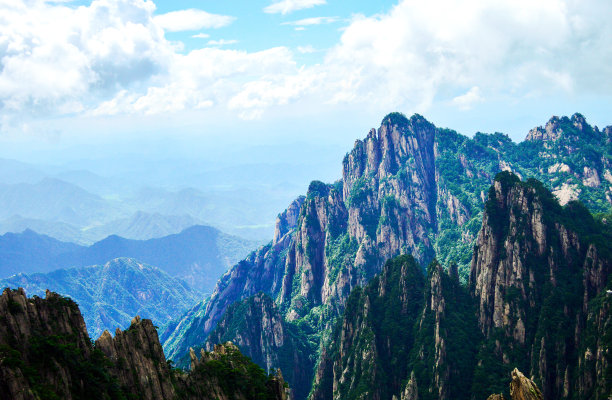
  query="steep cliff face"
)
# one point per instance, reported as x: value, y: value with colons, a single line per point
x: 403, y: 338
x: 45, y: 352
x: 595, y: 354
x: 407, y: 188
x: 256, y: 326
x: 443, y: 357
x: 371, y: 343
x: 536, y: 268
x: 261, y: 271
x: 45, y: 349
x: 537, y: 300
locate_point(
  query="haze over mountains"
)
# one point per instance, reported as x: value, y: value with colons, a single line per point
x: 111, y: 294
x: 85, y: 200
x: 198, y: 255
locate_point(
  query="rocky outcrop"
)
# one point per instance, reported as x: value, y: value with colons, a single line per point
x: 535, y: 264
x: 256, y: 326
x: 36, y: 337
x: 287, y: 220
x: 372, y: 341
x: 208, y: 378
x: 45, y: 352
x: 522, y: 388
x: 138, y: 358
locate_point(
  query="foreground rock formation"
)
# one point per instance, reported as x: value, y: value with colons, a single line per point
x: 45, y: 353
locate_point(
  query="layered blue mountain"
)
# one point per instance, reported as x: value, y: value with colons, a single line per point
x: 110, y: 295
x: 30, y: 252
x: 199, y: 255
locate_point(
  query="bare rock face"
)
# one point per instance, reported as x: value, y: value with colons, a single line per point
x: 287, y: 220
x: 256, y: 326
x: 522, y: 388
x: 139, y: 360
x: 411, y: 392
x: 536, y: 263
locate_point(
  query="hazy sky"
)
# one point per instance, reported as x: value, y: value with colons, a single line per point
x: 112, y: 76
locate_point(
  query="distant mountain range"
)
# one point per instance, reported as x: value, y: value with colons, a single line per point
x: 199, y: 255
x: 111, y: 294
x: 147, y: 199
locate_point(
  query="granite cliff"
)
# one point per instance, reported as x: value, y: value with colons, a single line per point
x: 407, y: 188
x: 537, y: 300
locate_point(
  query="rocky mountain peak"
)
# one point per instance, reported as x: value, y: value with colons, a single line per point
x: 535, y: 263
x: 523, y: 388
x: 287, y: 220
x: 557, y: 127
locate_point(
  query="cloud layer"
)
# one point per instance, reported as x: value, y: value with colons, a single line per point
x: 112, y: 57
x: 289, y: 6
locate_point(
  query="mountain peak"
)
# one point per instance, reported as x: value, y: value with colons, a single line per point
x: 556, y: 127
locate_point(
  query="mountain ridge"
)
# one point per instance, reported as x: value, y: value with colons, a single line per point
x: 408, y: 188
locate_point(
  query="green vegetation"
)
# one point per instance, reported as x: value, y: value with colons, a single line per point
x: 395, y: 118
x: 236, y: 374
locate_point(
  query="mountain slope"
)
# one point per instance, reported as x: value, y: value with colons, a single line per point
x: 198, y: 255
x: 256, y: 327
x: 110, y: 294
x: 408, y: 188
x: 53, y: 200
x: 540, y: 275
x: 29, y: 252
x: 536, y: 268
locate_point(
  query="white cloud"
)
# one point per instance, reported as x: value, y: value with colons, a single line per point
x: 191, y: 20
x: 112, y: 57
x: 222, y: 42
x: 308, y: 49
x: 468, y: 99
x: 289, y: 6
x: 421, y: 51
x: 54, y: 57
x: 312, y: 21
x: 212, y: 76
x: 201, y: 36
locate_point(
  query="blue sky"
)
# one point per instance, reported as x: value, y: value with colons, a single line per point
x: 105, y: 75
